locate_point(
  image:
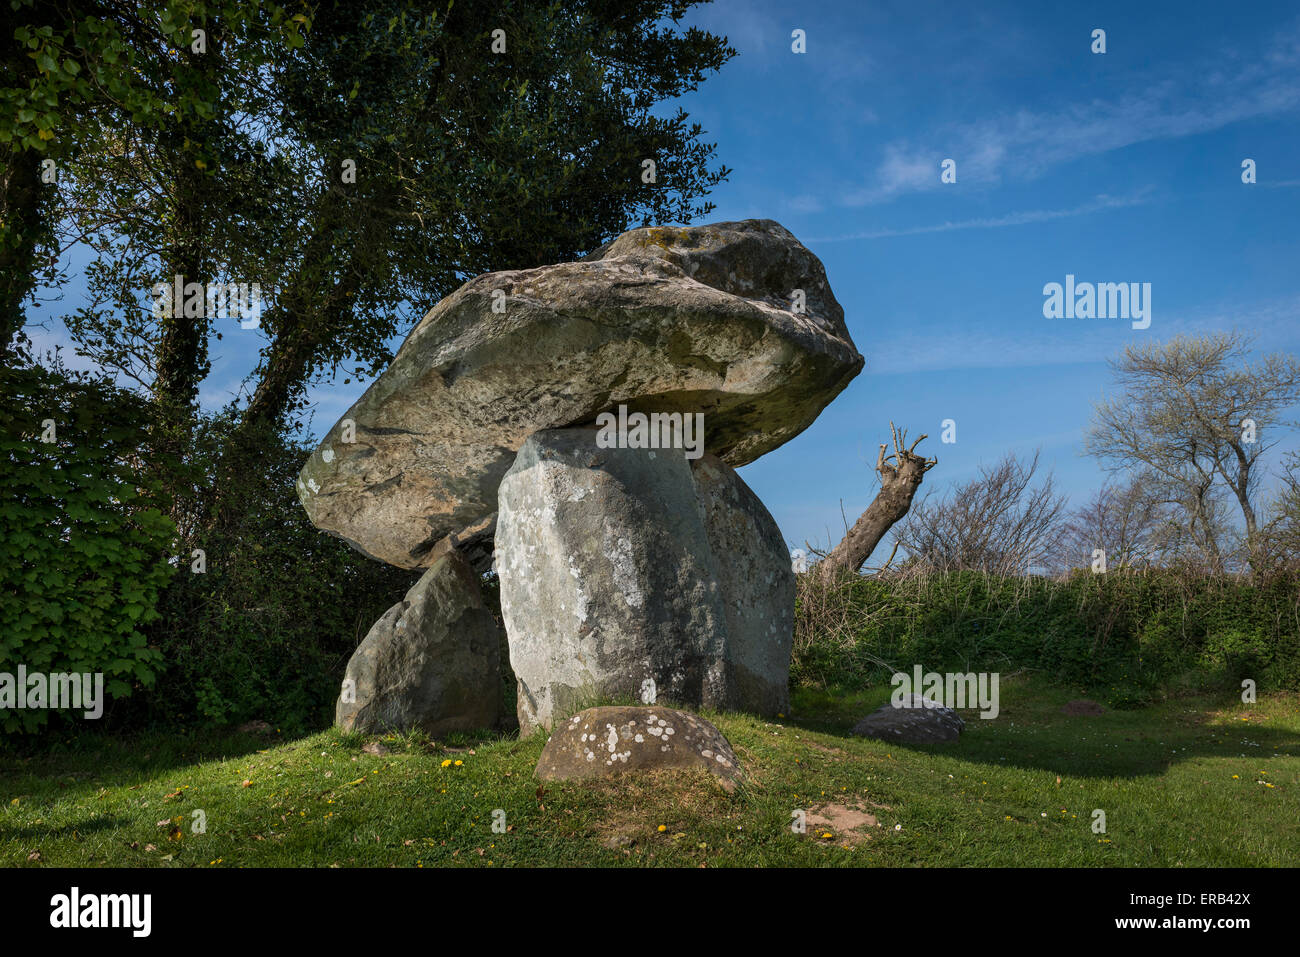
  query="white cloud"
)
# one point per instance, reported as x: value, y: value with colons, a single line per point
x: 1102, y: 202
x: 804, y: 203
x: 1027, y: 143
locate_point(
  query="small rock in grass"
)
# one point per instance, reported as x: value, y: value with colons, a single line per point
x: 603, y: 742
x: 915, y: 721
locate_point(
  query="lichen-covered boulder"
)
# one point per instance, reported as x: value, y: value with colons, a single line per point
x: 431, y: 662
x: 756, y: 583
x: 916, y: 720
x: 602, y: 742
x: 607, y: 578
x: 732, y: 320
x: 624, y: 570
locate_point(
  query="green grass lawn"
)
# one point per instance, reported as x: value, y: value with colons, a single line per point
x: 1194, y: 781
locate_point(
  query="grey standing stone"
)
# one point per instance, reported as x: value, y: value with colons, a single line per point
x: 757, y: 584
x: 431, y: 662
x: 625, y: 569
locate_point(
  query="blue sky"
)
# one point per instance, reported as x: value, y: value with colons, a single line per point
x: 1123, y: 166
x: 1115, y: 167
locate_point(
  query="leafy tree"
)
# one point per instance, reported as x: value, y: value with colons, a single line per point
x: 465, y: 160
x: 265, y: 630
x: 227, y: 165
x: 75, y: 73
x: 1195, y: 413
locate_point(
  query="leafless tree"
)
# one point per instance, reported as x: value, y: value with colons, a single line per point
x: 901, y: 473
x: 1280, y: 537
x: 1128, y: 521
x: 999, y: 523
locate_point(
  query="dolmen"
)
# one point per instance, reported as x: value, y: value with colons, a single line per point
x: 578, y: 427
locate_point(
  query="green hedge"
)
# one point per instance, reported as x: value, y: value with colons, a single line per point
x: 94, y: 577
x: 1129, y: 634
x: 83, y: 545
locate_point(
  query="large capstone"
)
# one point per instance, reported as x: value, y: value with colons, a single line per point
x: 628, y: 571
x: 431, y: 662
x: 733, y: 320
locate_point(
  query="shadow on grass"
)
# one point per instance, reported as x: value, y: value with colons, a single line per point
x: 1031, y: 732
x: 95, y: 760
x: 89, y: 826
x: 112, y: 759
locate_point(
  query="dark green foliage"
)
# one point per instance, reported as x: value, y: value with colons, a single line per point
x: 465, y: 160
x: 266, y: 630
x: 1128, y: 636
x: 86, y: 584
x: 366, y: 166
x: 83, y: 547
x: 76, y: 75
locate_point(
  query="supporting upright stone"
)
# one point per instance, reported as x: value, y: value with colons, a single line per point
x: 757, y: 584
x: 433, y: 661
x: 625, y: 570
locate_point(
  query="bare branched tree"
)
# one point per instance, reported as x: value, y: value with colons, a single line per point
x: 1130, y: 522
x: 1279, y: 546
x: 901, y: 473
x: 1211, y: 545
x: 995, y: 523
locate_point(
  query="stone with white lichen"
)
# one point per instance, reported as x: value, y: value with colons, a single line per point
x: 602, y: 742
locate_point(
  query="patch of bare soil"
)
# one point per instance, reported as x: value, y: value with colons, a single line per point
x: 1082, y: 706
x: 636, y: 804
x: 844, y: 824
x: 821, y: 747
